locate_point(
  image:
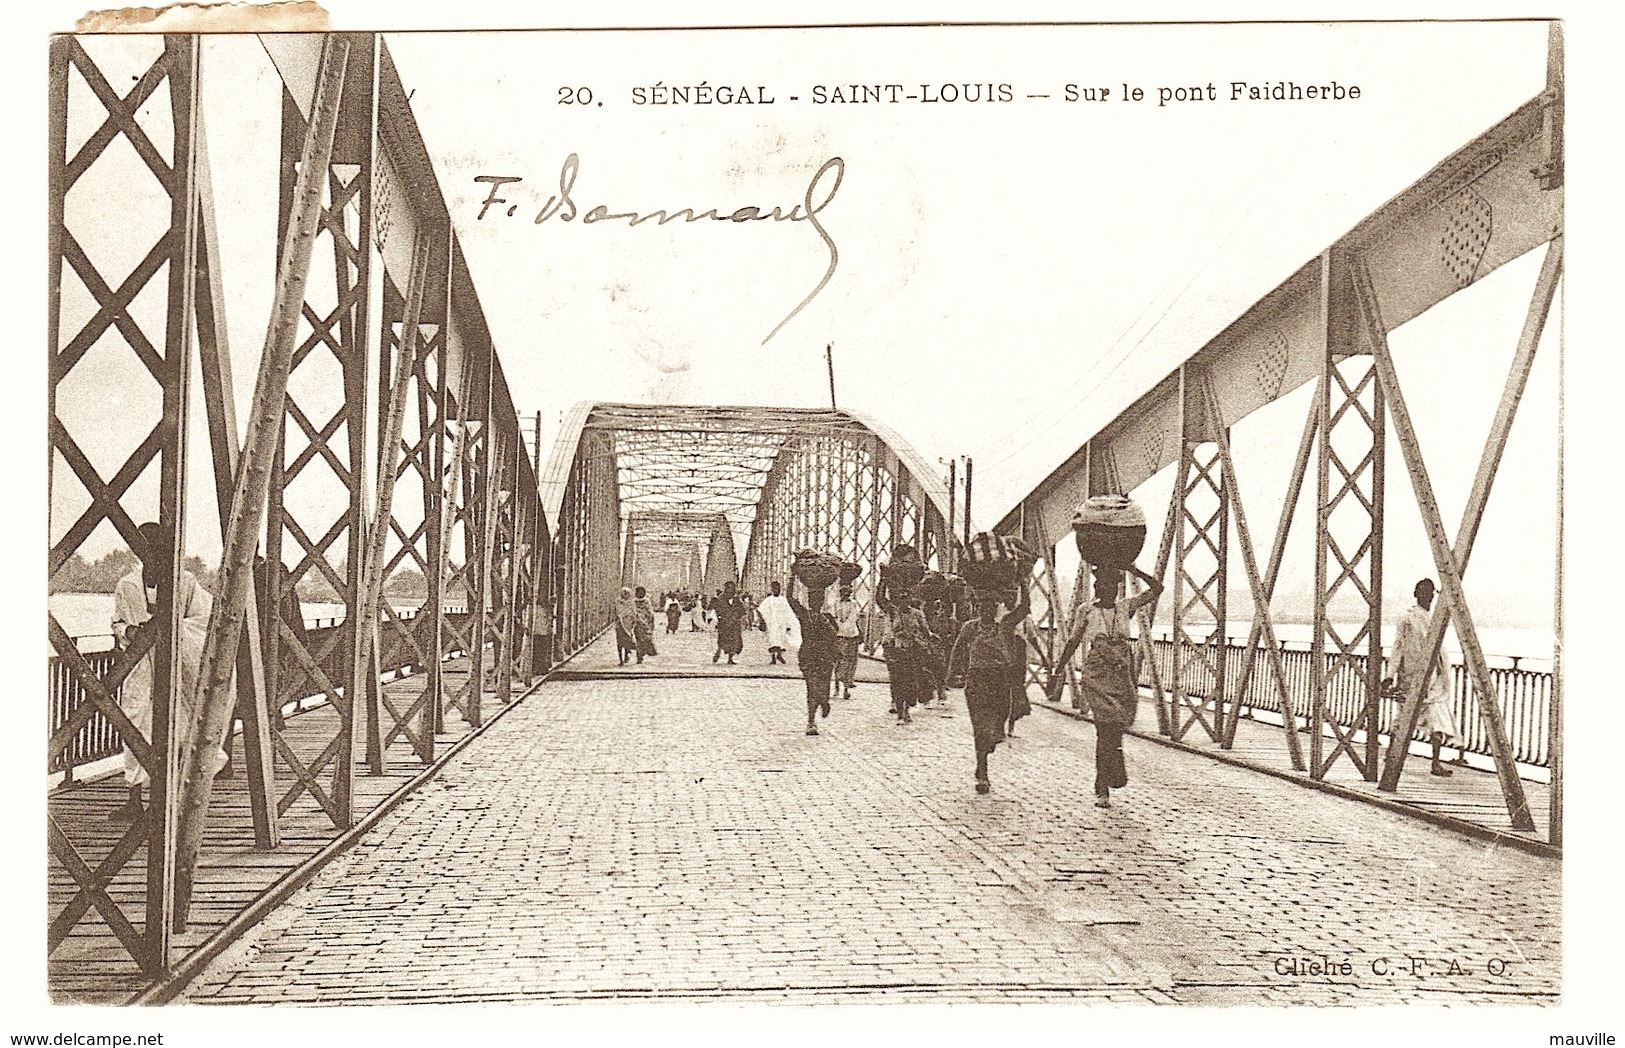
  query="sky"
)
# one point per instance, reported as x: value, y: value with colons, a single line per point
x: 997, y: 278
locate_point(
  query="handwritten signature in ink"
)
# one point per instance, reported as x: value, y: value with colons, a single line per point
x: 826, y: 181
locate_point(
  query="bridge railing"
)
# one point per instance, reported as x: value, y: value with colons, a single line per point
x: 1524, y: 695
x: 98, y: 739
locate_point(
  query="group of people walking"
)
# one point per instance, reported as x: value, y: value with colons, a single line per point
x: 932, y: 644
x: 932, y: 641
x: 729, y: 612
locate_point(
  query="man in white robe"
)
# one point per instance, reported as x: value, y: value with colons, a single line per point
x: 135, y: 597
x: 1409, y: 661
x: 783, y: 629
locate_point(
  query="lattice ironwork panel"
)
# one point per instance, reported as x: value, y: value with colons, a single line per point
x: 119, y: 320
x: 320, y: 465
x: 1200, y: 592
x: 1348, y: 566
x: 408, y: 576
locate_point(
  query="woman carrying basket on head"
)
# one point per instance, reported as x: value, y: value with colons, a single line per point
x: 1110, y: 532
x: 986, y: 647
x: 985, y: 651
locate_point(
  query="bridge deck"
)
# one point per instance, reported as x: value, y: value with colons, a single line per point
x: 90, y: 966
x: 683, y: 839
x: 1470, y: 799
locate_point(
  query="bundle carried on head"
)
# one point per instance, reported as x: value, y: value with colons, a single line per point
x: 815, y: 569
x: 996, y: 564
x: 900, y: 574
x: 955, y: 589
x: 1110, y: 530
x: 933, y: 585
x: 850, y: 571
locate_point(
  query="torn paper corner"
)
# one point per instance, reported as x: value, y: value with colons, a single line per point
x: 294, y: 16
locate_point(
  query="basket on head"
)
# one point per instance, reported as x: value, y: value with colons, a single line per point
x: 1110, y: 530
x: 932, y: 586
x: 996, y: 562
x: 851, y: 571
x: 903, y: 571
x: 816, y: 570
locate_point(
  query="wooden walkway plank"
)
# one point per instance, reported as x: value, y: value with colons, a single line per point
x: 91, y: 967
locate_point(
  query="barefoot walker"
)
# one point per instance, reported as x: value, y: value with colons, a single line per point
x: 1110, y: 531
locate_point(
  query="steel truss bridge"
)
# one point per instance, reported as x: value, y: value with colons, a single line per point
x: 382, y: 441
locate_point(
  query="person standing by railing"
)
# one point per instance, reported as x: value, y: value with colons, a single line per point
x: 135, y: 600
x: 1411, y: 664
x: 626, y: 626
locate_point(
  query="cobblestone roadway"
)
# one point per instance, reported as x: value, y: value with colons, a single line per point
x: 684, y: 839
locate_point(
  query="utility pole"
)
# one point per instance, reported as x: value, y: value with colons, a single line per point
x: 953, y: 484
x: 829, y: 359
x: 967, y: 500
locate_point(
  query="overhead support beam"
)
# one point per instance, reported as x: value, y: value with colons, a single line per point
x: 1421, y: 247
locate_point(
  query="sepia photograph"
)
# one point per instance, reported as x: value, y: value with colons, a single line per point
x: 1043, y: 515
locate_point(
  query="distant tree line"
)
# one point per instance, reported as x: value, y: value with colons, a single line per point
x: 79, y: 575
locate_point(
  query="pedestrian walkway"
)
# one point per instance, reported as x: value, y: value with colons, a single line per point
x: 684, y: 840
x: 90, y: 966
x: 1470, y: 799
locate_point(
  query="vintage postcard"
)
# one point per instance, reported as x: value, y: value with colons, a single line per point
x: 1047, y: 513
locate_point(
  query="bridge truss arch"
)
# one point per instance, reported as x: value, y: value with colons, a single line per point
x: 629, y: 482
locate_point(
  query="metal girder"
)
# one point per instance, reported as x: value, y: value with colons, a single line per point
x: 254, y: 696
x: 1201, y: 567
x: 1490, y: 202
x: 851, y: 495
x: 1480, y: 208
x: 1477, y: 500
x: 357, y: 192
x: 163, y: 352
x: 313, y: 200
x: 1450, y: 565
x: 1350, y: 494
x: 1263, y: 627
x: 410, y: 355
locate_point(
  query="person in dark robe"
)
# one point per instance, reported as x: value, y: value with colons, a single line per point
x: 730, y: 613
x: 816, y: 656
x: 985, y: 650
x: 645, y: 628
